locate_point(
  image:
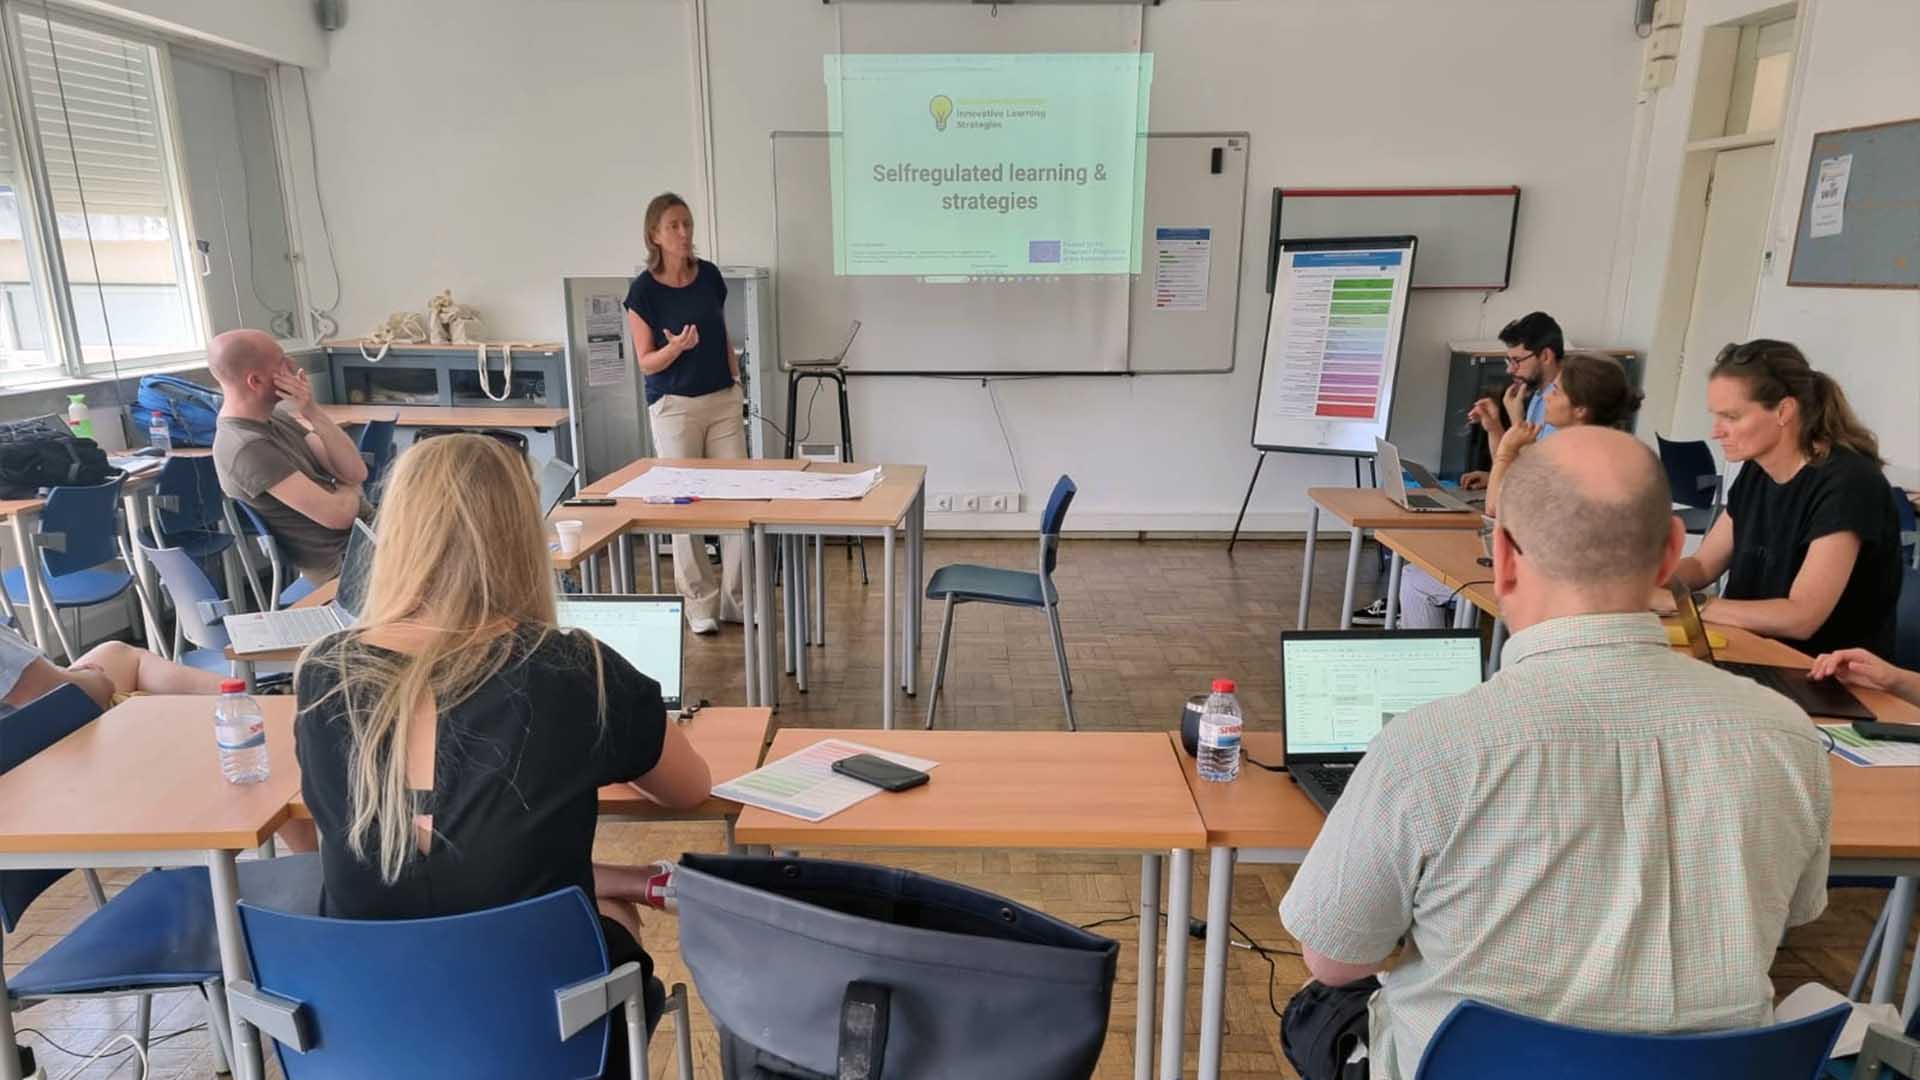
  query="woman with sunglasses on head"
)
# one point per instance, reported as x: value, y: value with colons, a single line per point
x: 1809, y: 542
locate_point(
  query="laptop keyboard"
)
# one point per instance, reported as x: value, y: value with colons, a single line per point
x: 292, y: 628
x: 1331, y: 779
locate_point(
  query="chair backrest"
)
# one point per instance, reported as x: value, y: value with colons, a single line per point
x: 1050, y: 521
x: 32, y: 728
x: 1906, y: 621
x: 1686, y: 464
x: 376, y: 439
x: 88, y: 519
x: 196, y: 603
x: 1483, y: 1042
x: 463, y: 995
x: 187, y: 496
x: 555, y: 478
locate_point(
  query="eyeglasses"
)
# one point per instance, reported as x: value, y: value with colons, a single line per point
x: 1512, y: 540
x: 1516, y: 361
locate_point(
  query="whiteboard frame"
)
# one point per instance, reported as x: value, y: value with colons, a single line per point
x: 1276, y: 237
x: 1412, y: 244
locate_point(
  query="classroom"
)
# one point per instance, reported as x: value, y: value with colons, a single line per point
x: 1043, y: 539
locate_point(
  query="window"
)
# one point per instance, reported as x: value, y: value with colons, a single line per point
x: 141, y: 199
x: 1760, y: 71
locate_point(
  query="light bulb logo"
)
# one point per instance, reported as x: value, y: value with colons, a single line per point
x: 941, y: 107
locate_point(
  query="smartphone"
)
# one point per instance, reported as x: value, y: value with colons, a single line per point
x: 1867, y: 729
x: 879, y: 772
x: 591, y: 502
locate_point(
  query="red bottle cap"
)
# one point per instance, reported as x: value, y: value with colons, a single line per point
x: 233, y: 686
x: 1223, y: 686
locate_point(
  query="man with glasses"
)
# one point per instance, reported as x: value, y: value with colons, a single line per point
x: 1535, y: 347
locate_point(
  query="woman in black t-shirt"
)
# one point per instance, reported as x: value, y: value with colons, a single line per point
x: 676, y: 315
x: 451, y: 744
x: 1809, y: 541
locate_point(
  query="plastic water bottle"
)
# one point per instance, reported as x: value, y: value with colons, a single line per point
x: 159, y: 436
x: 241, y: 734
x: 78, y: 419
x: 1220, y: 724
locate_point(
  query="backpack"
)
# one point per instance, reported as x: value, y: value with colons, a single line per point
x: 192, y: 410
x: 28, y: 465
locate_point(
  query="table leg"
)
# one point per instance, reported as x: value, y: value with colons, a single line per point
x: 1173, y: 1009
x: 789, y: 600
x: 590, y: 573
x: 30, y: 571
x: 1393, y: 590
x: 886, y: 635
x: 1149, y: 952
x: 916, y: 584
x: 623, y: 563
x: 1465, y: 615
x: 1213, y: 977
x: 653, y: 562
x: 749, y: 615
x: 143, y: 571
x: 1899, y: 920
x: 802, y: 621
x: 1356, y: 539
x: 820, y: 591
x: 1306, y: 563
x: 763, y: 600
x: 9, y: 1054
x: 1911, y: 1005
x: 233, y: 957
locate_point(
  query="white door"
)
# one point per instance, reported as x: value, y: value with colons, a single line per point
x: 1730, y: 254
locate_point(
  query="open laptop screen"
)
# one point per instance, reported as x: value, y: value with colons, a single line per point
x: 646, y: 630
x: 356, y: 567
x: 1341, y: 688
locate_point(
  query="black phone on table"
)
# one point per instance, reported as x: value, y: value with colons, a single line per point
x: 591, y: 502
x: 1867, y: 729
x: 880, y: 772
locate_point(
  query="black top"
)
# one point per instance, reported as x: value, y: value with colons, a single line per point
x: 1773, y: 524
x: 702, y: 369
x: 515, y: 771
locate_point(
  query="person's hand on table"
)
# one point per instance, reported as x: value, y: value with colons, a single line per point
x: 1473, y: 481
x: 1856, y: 667
x: 1518, y: 438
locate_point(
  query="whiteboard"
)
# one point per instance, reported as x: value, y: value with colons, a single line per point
x: 1332, y: 355
x: 1075, y: 325
x: 1466, y: 234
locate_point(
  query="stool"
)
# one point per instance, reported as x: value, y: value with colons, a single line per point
x: 838, y: 375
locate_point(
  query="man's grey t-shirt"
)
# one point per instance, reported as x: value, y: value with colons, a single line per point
x: 252, y: 457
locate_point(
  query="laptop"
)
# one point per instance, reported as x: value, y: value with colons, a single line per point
x: 838, y: 359
x: 1475, y: 498
x: 1428, y: 500
x: 297, y: 628
x: 649, y: 632
x: 1339, y: 688
x: 1823, y: 697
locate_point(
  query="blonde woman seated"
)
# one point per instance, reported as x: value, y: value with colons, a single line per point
x: 452, y: 742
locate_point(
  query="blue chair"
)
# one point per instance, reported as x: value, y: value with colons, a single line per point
x: 1482, y: 1042
x: 1694, y: 479
x: 188, y: 510
x: 78, y: 535
x: 376, y: 447
x: 1909, y: 520
x: 246, y: 522
x: 198, y: 609
x: 1884, y: 1055
x: 460, y: 995
x: 156, y: 934
x: 961, y: 583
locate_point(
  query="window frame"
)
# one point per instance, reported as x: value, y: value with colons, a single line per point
x: 51, y: 286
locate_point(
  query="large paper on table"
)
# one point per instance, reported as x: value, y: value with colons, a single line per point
x: 804, y: 785
x: 677, y: 483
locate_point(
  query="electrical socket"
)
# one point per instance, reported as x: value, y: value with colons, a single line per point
x: 969, y: 503
x: 1012, y: 504
x: 996, y: 504
x: 943, y: 503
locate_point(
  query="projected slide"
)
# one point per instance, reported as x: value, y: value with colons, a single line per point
x: 999, y: 167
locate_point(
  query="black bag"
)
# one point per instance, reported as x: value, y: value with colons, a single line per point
x: 30, y: 464
x: 1323, y: 1024
x: 822, y: 970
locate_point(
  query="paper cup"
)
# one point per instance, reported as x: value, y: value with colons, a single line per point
x: 569, y: 535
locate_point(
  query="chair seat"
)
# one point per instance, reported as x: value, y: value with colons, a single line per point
x: 293, y: 593
x: 199, y: 543
x: 159, y: 931
x: 73, y: 590
x: 1696, y: 519
x: 214, y: 660
x: 990, y: 584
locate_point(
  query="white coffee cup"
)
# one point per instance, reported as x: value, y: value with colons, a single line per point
x: 568, y: 532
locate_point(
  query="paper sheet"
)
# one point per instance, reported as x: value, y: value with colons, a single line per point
x: 804, y: 785
x: 1850, y: 745
x: 1811, y: 998
x: 1182, y: 264
x: 606, y: 347
x: 1828, y: 214
x: 670, y: 482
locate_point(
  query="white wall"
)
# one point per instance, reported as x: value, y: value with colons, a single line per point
x: 284, y: 30
x: 1538, y: 93
x: 492, y: 147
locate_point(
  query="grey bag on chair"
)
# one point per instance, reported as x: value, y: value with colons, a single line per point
x: 822, y: 970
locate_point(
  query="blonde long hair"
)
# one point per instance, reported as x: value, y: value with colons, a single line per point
x: 463, y: 555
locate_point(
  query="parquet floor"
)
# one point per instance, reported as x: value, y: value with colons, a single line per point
x: 1146, y: 623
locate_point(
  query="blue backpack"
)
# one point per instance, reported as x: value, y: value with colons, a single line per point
x: 191, y: 409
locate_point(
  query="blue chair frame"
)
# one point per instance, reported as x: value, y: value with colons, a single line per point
x: 962, y: 583
x: 375, y: 444
x: 247, y: 524
x: 78, y: 532
x: 459, y: 995
x: 1695, y: 482
x: 198, y: 609
x: 188, y: 509
x: 1483, y: 1042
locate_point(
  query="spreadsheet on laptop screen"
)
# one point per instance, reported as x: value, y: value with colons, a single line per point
x: 645, y: 632
x: 1340, y: 692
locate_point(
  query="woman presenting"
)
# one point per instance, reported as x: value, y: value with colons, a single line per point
x: 675, y: 313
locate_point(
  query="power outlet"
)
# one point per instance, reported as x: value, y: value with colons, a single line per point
x: 969, y: 503
x: 1010, y: 502
x: 943, y: 503
x: 995, y: 504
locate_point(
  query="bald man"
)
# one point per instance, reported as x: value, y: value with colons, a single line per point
x: 1607, y: 833
x: 278, y: 452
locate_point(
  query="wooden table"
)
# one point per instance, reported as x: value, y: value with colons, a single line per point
x: 1453, y: 557
x: 141, y: 787
x: 1262, y: 817
x: 1363, y: 509
x: 896, y: 503
x: 1000, y: 790
x: 537, y: 418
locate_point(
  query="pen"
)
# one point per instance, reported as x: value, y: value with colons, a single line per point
x: 675, y: 500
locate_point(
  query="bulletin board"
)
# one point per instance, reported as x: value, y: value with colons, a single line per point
x: 1860, y: 210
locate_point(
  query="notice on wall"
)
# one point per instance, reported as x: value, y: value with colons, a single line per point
x: 606, y: 350
x: 1828, y: 214
x: 1182, y: 264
